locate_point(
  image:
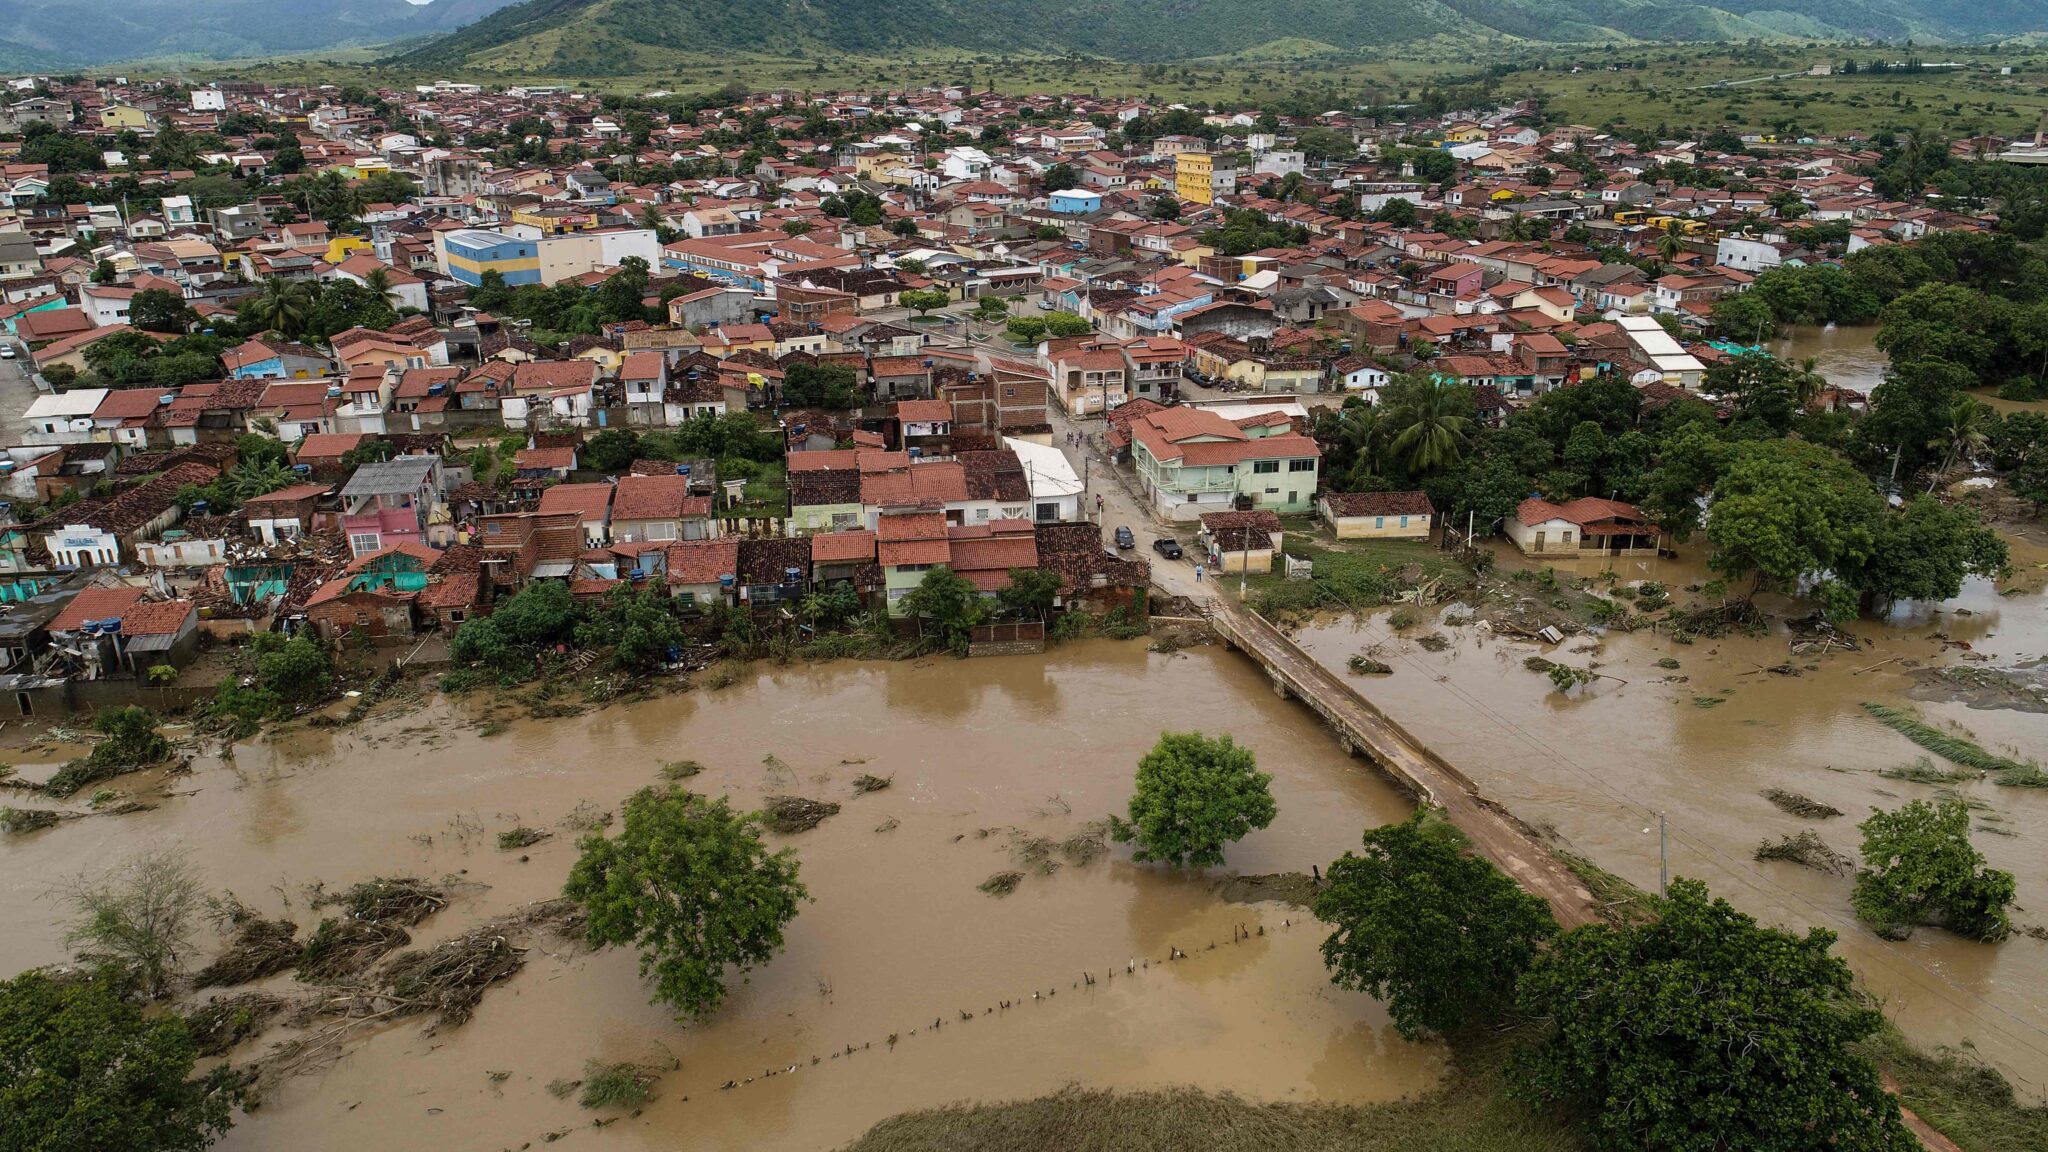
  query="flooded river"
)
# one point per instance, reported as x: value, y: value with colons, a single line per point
x: 1848, y: 357
x: 1600, y: 765
x: 897, y: 935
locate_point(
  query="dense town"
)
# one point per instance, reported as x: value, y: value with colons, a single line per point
x: 369, y: 361
x: 572, y: 399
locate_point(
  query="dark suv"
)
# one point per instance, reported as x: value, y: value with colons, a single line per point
x: 1168, y: 547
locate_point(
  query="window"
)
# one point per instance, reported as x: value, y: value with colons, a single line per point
x: 1379, y: 521
x: 1301, y: 465
x: 1265, y: 466
x: 1404, y: 521
x: 364, y: 542
x: 1272, y: 491
x: 845, y: 521
x: 661, y: 530
x: 1048, y: 512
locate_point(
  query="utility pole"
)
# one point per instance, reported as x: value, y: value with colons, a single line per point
x: 1663, y: 856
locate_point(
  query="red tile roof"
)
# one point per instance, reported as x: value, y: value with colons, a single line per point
x: 587, y: 501
x: 842, y: 547
x: 157, y: 617
x: 96, y: 604
x: 702, y: 561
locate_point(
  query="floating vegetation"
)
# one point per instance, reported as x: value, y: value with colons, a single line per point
x: 673, y: 770
x: 339, y: 949
x: 260, y: 948
x: 1296, y: 888
x: 20, y: 821
x: 225, y: 1021
x: 2004, y: 770
x: 864, y: 783
x: 1085, y: 846
x: 1002, y: 883
x: 521, y: 837
x: 1667, y: 663
x: 1708, y: 701
x: 451, y: 977
x: 586, y: 816
x: 1808, y: 850
x: 1923, y: 770
x: 1367, y: 666
x: 1538, y: 664
x: 792, y: 814
x: 622, y: 1085
x: 392, y: 899
x: 1803, y: 807
x: 1434, y: 642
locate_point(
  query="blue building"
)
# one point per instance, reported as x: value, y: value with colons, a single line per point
x: 471, y: 252
x: 1076, y: 201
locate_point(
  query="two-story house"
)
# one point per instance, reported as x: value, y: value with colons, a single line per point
x: 388, y: 502
x: 1192, y: 461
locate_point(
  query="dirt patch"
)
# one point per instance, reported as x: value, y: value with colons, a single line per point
x: 2019, y: 689
x: 1277, y: 887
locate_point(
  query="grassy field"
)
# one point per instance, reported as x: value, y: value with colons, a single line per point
x: 1470, y: 1112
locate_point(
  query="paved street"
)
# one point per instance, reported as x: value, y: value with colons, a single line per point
x: 16, y: 394
x: 1122, y: 506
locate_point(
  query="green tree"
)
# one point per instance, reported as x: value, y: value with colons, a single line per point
x: 638, y: 625
x: 992, y: 309
x: 159, y: 310
x: 1399, y: 211
x: 1701, y: 1030
x: 829, y: 386
x: 946, y: 606
x: 1924, y: 551
x: 1060, y: 177
x: 1430, y: 419
x: 688, y: 882
x: 1063, y: 324
x: 1026, y: 329
x: 612, y: 450
x: 1965, y: 432
x: 1195, y: 795
x: 299, y: 671
x: 921, y: 300
x: 85, y: 1071
x: 1919, y: 867
x: 1786, y: 510
x: 1031, y: 591
x: 281, y: 306
x: 1439, y: 935
x: 136, y: 921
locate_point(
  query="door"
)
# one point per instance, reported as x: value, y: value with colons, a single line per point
x: 1540, y: 534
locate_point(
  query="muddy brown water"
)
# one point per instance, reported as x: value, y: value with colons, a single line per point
x: 1598, y: 765
x: 1848, y: 357
x: 897, y: 935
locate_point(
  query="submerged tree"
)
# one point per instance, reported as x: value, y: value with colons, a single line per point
x: 687, y: 881
x: 1194, y: 796
x: 1440, y: 935
x: 1919, y: 867
x: 136, y: 921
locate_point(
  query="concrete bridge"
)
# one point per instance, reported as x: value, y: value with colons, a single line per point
x: 1362, y: 729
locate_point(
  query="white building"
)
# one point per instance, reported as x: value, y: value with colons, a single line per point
x: 1746, y: 255
x: 63, y: 417
x: 1667, y: 360
x: 1055, y: 490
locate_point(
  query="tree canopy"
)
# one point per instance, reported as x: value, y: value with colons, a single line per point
x: 1194, y: 796
x: 1919, y: 867
x: 1439, y: 935
x: 85, y: 1071
x: 688, y: 882
x: 1701, y: 1030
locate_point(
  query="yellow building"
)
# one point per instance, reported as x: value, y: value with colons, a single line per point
x: 342, y: 247
x: 118, y: 116
x: 1193, y: 176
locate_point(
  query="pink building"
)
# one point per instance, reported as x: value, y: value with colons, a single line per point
x: 386, y: 503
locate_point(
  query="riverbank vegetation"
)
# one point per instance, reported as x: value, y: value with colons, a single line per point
x: 1920, y: 868
x: 1195, y: 795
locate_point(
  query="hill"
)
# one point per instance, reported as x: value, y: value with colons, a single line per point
x: 51, y: 33
x: 597, y: 37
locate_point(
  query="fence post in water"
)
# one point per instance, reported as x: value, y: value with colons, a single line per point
x: 1663, y: 856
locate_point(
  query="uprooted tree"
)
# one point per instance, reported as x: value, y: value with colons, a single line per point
x: 1439, y: 935
x: 687, y: 881
x: 1195, y: 795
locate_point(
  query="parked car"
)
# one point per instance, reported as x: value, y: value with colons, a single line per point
x: 6, y: 351
x: 1168, y: 547
x: 1124, y: 538
x: 1045, y: 305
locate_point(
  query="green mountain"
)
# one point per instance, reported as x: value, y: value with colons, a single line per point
x: 600, y: 36
x: 51, y: 33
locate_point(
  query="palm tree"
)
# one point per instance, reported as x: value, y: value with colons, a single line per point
x: 1432, y: 417
x: 1966, y: 432
x: 253, y: 480
x: 282, y: 306
x: 1361, y: 435
x: 378, y: 280
x: 1671, y: 245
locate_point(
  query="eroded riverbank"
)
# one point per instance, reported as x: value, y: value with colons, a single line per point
x: 898, y: 935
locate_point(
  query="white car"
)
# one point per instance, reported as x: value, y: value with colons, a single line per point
x: 6, y: 351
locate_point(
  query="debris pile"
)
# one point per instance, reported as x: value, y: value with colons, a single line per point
x: 1803, y: 807
x: 792, y: 814
x: 1807, y: 850
x: 260, y: 948
x: 339, y: 949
